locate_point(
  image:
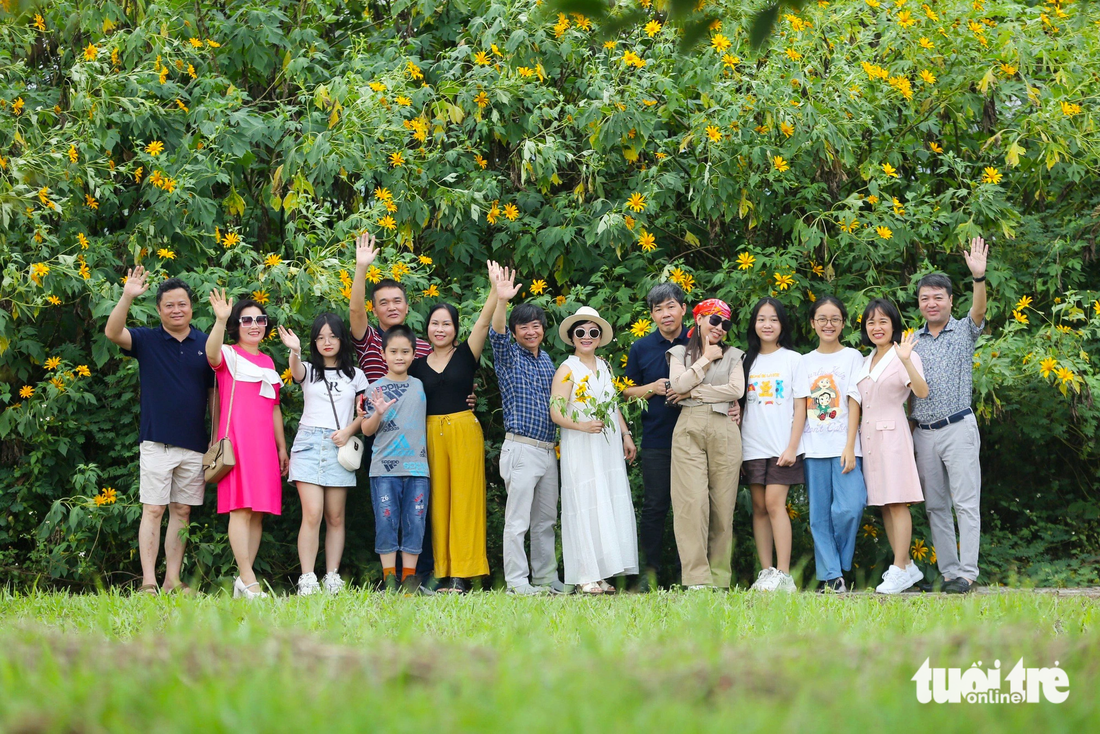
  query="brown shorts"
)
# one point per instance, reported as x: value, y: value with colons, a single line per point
x: 767, y: 471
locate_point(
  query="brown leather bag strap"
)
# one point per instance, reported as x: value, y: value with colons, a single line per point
x: 232, y: 392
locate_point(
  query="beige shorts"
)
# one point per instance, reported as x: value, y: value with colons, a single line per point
x: 171, y: 474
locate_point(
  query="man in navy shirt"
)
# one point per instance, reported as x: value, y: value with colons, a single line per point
x: 177, y: 385
x: 647, y: 368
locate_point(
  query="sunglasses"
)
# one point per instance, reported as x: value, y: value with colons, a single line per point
x: 249, y: 320
x: 593, y: 333
x: 716, y: 320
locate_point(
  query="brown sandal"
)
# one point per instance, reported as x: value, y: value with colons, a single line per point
x: 151, y: 589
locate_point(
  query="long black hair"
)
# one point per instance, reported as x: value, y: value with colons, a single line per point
x: 695, y: 344
x: 345, y: 358
x: 786, y: 336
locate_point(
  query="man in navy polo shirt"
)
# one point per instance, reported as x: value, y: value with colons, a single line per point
x: 647, y: 368
x: 177, y: 385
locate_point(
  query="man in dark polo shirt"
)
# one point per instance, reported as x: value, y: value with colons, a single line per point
x: 647, y: 368
x: 945, y: 438
x: 177, y: 386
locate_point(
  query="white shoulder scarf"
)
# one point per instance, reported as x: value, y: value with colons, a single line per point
x: 246, y: 371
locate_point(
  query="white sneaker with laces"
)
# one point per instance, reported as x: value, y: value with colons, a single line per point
x: 333, y: 583
x: 915, y: 574
x: 763, y: 579
x: 782, y: 582
x: 307, y: 584
x: 526, y: 590
x: 894, y: 581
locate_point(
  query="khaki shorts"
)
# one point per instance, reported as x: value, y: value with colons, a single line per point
x: 171, y: 474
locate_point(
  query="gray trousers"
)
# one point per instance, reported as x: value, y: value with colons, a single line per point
x: 531, y: 480
x: 947, y: 461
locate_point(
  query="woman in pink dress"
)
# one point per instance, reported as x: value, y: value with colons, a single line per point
x: 889, y: 374
x: 248, y: 396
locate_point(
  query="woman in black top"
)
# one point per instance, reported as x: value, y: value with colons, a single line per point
x: 456, y: 445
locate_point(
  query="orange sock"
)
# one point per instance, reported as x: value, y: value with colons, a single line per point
x: 406, y: 572
x: 391, y: 571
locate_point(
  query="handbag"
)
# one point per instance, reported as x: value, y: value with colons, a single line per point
x: 219, y: 459
x: 350, y: 454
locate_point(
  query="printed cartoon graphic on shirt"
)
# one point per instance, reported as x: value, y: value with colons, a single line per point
x: 767, y: 389
x: 824, y: 403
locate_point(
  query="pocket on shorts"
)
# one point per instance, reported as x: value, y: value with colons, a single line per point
x: 884, y: 425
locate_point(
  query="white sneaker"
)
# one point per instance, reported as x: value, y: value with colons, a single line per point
x: 698, y: 587
x: 555, y: 587
x: 782, y: 582
x: 307, y: 584
x: 915, y: 574
x: 526, y: 590
x: 763, y: 579
x: 333, y: 583
x: 894, y: 581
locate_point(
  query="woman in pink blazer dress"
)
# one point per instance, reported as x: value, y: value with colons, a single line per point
x: 889, y: 374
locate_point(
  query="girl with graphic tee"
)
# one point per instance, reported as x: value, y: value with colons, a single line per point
x: 330, y: 385
x: 825, y: 391
x: 771, y: 431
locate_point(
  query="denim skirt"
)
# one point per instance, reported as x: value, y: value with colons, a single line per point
x: 313, y: 459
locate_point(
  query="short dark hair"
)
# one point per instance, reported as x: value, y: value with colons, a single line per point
x: 822, y: 300
x: 233, y: 326
x: 661, y: 292
x: 889, y: 310
x: 172, y: 284
x: 934, y: 280
x: 387, y: 283
x: 525, y: 313
x: 398, y: 331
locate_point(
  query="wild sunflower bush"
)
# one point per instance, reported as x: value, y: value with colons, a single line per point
x: 244, y: 144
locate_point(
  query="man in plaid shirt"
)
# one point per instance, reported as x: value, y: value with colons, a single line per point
x: 528, y: 458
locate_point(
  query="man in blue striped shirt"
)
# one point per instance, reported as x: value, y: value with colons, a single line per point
x: 528, y: 459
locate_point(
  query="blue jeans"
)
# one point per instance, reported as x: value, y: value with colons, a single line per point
x: 836, y: 507
x: 400, y: 511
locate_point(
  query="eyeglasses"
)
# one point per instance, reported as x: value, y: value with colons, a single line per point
x: 593, y: 332
x: 716, y: 320
x: 260, y: 320
x: 835, y: 321
x: 323, y: 338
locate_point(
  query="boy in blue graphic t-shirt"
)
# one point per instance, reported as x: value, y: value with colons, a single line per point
x: 395, y: 415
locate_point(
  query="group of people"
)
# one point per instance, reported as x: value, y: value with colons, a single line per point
x: 888, y: 429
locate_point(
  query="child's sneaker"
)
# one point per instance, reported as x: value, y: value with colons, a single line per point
x: 389, y: 584
x: 763, y: 580
x: 307, y: 584
x: 782, y: 582
x: 413, y: 587
x: 333, y: 583
x: 834, y: 586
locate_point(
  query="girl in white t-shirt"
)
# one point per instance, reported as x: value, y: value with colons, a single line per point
x: 331, y: 383
x: 771, y: 439
x: 825, y: 387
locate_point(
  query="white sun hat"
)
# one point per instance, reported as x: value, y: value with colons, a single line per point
x: 586, y: 313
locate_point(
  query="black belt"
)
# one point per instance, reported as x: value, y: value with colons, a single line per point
x: 953, y: 418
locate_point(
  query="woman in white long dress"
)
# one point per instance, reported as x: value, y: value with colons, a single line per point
x: 599, y: 540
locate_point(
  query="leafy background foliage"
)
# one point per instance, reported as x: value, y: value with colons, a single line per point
x: 244, y: 144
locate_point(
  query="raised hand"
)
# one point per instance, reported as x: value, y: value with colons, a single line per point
x: 135, y: 282
x: 905, y: 346
x: 290, y: 339
x: 379, y: 402
x: 223, y: 307
x: 977, y: 257
x: 365, y: 251
x: 506, y: 286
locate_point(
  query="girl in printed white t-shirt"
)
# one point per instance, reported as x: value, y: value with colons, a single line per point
x: 825, y: 384
x: 331, y: 383
x: 771, y: 439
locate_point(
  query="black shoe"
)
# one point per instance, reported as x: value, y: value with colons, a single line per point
x: 647, y: 581
x: 460, y: 586
x: 958, y: 586
x: 389, y: 584
x: 430, y: 583
x: 412, y: 587
x: 833, y: 586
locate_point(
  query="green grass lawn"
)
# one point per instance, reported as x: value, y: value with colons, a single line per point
x: 670, y: 661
